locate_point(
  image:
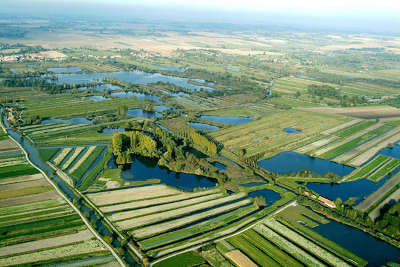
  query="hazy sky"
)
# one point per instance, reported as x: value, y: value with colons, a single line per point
x: 316, y: 7
x: 366, y: 15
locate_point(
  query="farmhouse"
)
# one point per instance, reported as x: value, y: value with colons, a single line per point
x: 327, y: 202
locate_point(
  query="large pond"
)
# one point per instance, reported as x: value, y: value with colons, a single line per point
x: 375, y: 251
x: 286, y: 162
x: 133, y: 77
x: 64, y: 70
x: 392, y: 152
x: 143, y: 169
x: 232, y: 120
x: 359, y: 189
x: 140, y: 113
x: 139, y: 96
x: 172, y: 68
x: 72, y: 121
x: 203, y: 126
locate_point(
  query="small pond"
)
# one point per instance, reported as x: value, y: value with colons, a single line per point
x: 392, y: 152
x: 252, y: 184
x: 286, y: 162
x: 203, y: 126
x: 143, y: 169
x: 64, y: 70
x: 140, y: 113
x: 269, y: 195
x: 291, y: 130
x: 232, y: 120
x: 139, y: 96
x: 172, y: 68
x: 96, y: 98
x: 72, y: 121
x: 112, y: 130
x: 232, y: 69
x: 161, y: 108
x: 375, y: 251
x: 219, y: 165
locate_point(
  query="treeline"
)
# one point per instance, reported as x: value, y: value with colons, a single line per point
x: 132, y: 142
x: 198, y: 140
x: 330, y: 92
x: 389, y: 220
x: 41, y: 84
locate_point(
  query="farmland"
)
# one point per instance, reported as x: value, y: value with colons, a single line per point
x: 160, y: 150
x: 37, y: 225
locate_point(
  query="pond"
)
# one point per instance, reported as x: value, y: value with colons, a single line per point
x: 231, y: 120
x: 291, y: 130
x: 359, y: 188
x: 96, y: 98
x: 72, y: 121
x: 14, y: 71
x: 252, y: 184
x: 112, y: 130
x: 391, y: 152
x: 101, y: 87
x: 172, y: 68
x: 64, y: 70
x: 161, y: 108
x: 375, y: 251
x: 143, y: 169
x: 139, y: 96
x: 140, y: 113
x: 203, y: 126
x: 133, y: 77
x: 269, y: 195
x: 286, y: 162
x: 219, y: 165
x: 232, y: 69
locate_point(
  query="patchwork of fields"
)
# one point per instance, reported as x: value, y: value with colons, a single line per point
x: 162, y: 220
x: 79, y: 166
x: 282, y: 241
x: 37, y: 226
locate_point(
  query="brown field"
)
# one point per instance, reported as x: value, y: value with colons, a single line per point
x: 20, y: 179
x: 374, y: 112
x: 8, y: 146
x: 240, y: 259
x: 137, y: 193
x: 22, y: 185
x: 46, y: 243
x: 28, y: 199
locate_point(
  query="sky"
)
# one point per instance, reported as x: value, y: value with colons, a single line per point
x: 363, y: 15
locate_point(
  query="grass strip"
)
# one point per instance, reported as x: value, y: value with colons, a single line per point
x: 370, y: 166
x: 87, y: 162
x: 95, y: 172
x: 252, y: 251
x: 17, y: 170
